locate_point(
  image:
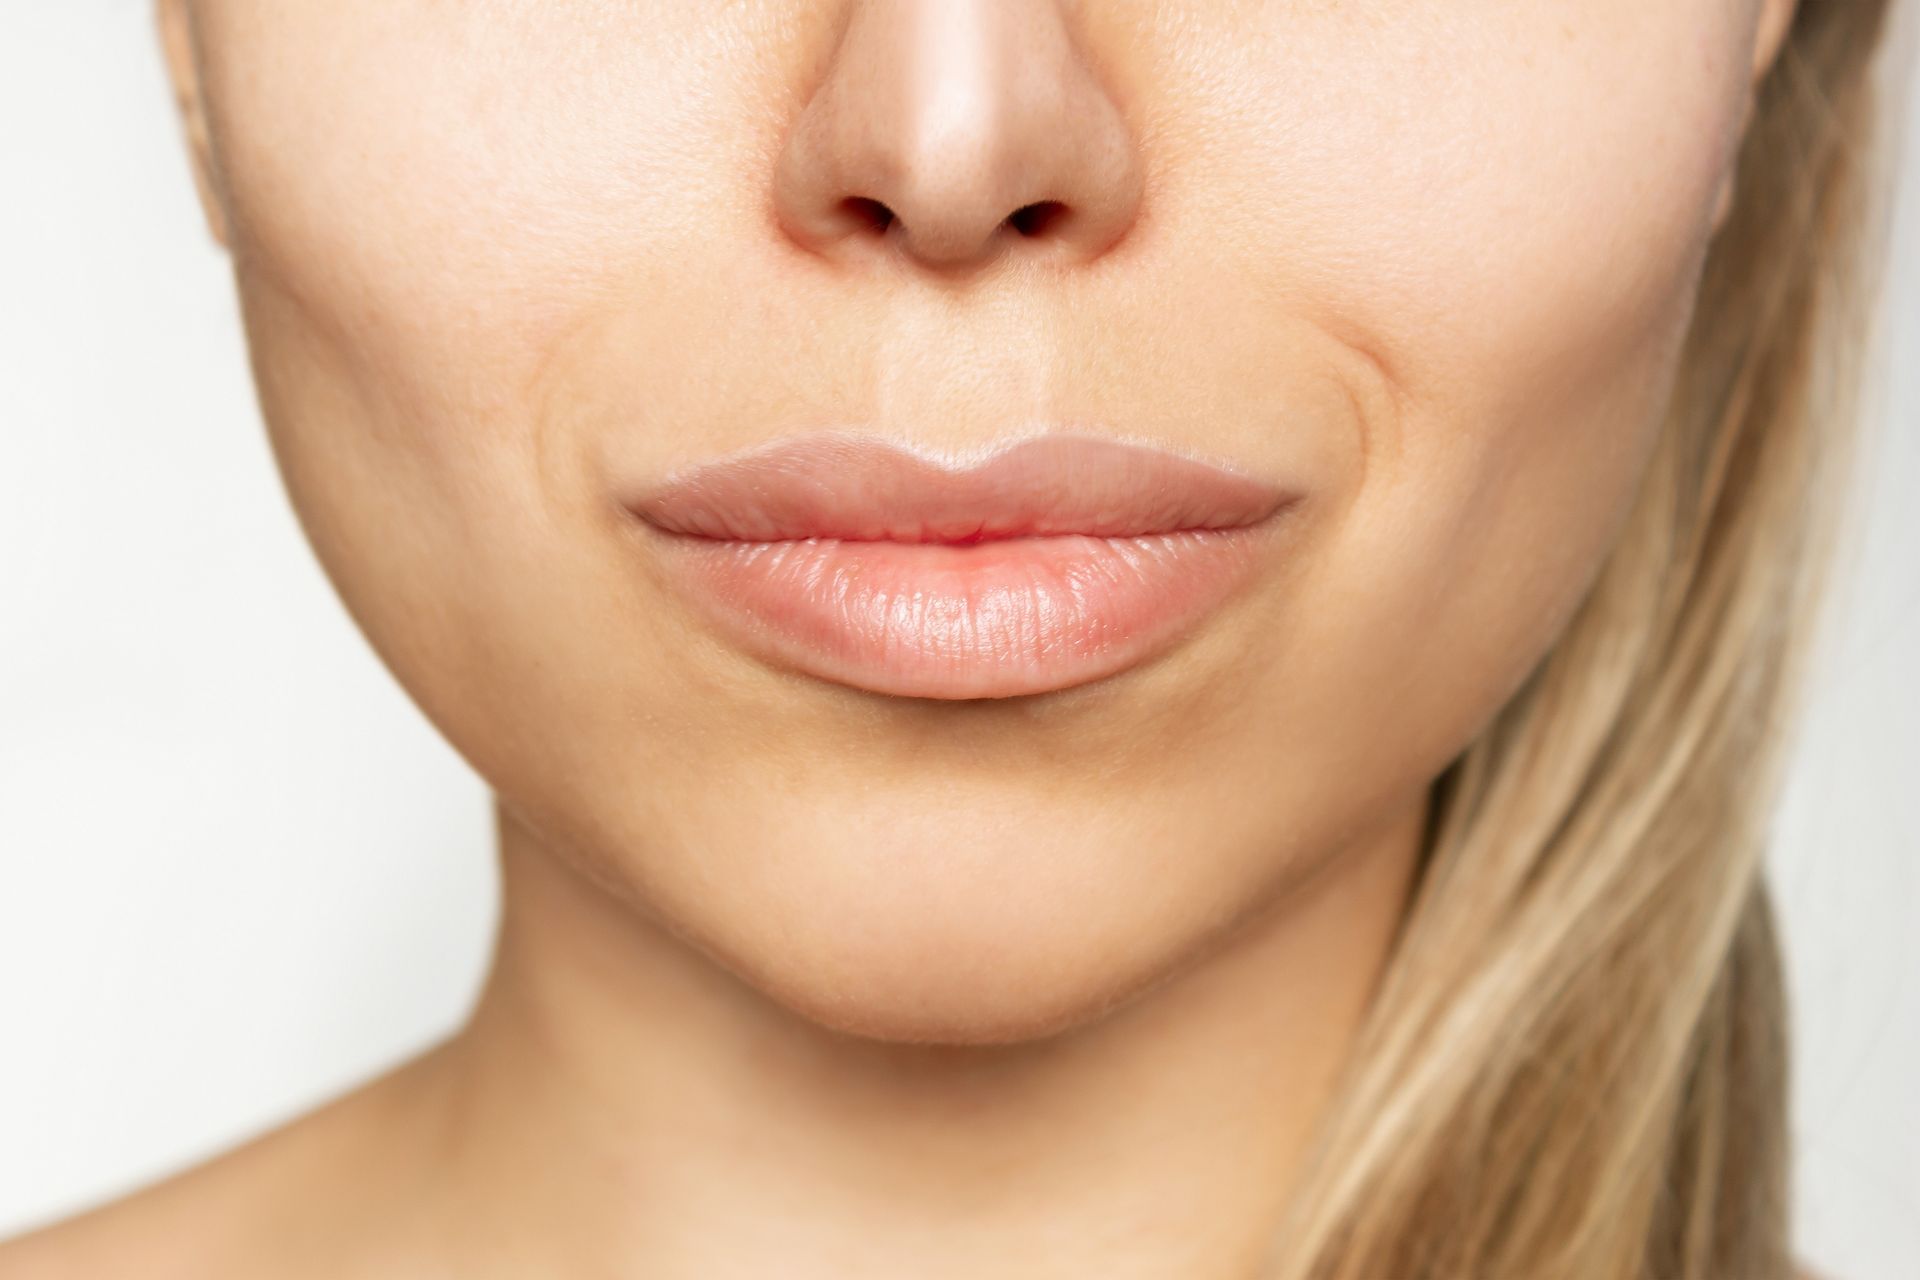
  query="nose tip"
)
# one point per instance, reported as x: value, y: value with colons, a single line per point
x: 952, y: 131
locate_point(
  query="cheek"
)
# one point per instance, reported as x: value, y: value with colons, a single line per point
x: 434, y: 195
x: 1497, y: 201
x: 428, y: 200
x: 1506, y: 208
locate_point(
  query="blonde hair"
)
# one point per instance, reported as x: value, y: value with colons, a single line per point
x: 1575, y: 1066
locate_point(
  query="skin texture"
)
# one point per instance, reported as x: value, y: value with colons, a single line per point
x: 800, y: 980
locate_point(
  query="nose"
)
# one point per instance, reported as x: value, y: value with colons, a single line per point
x: 953, y: 131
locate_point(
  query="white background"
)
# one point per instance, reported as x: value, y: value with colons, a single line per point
x: 240, y: 872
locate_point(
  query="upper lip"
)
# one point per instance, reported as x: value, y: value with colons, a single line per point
x: 864, y: 488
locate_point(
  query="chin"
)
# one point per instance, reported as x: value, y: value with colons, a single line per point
x: 952, y: 945
x: 986, y: 996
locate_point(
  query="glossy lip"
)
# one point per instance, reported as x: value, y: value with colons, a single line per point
x: 1058, y: 560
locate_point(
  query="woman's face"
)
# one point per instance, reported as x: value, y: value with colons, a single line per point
x: 1427, y: 262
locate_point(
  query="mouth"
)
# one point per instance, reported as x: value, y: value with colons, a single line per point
x: 1060, y: 560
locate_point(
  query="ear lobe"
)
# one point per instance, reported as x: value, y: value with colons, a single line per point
x: 183, y: 72
x: 1770, y: 36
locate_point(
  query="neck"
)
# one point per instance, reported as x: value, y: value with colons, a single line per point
x: 620, y: 1104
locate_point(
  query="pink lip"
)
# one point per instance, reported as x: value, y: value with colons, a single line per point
x: 1059, y: 560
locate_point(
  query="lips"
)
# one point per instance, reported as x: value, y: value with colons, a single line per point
x: 1057, y: 561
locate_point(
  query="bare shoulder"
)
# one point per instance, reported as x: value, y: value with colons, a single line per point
x: 156, y: 1224
x: 193, y: 1221
x: 236, y: 1213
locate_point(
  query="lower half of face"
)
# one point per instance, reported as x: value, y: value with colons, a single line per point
x: 1429, y: 264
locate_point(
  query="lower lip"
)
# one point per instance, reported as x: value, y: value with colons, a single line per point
x: 991, y: 619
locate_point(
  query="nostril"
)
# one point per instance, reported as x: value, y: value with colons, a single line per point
x: 1032, y: 219
x: 870, y: 213
x: 1028, y: 220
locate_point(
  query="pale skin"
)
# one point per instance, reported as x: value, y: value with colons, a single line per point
x: 797, y: 980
